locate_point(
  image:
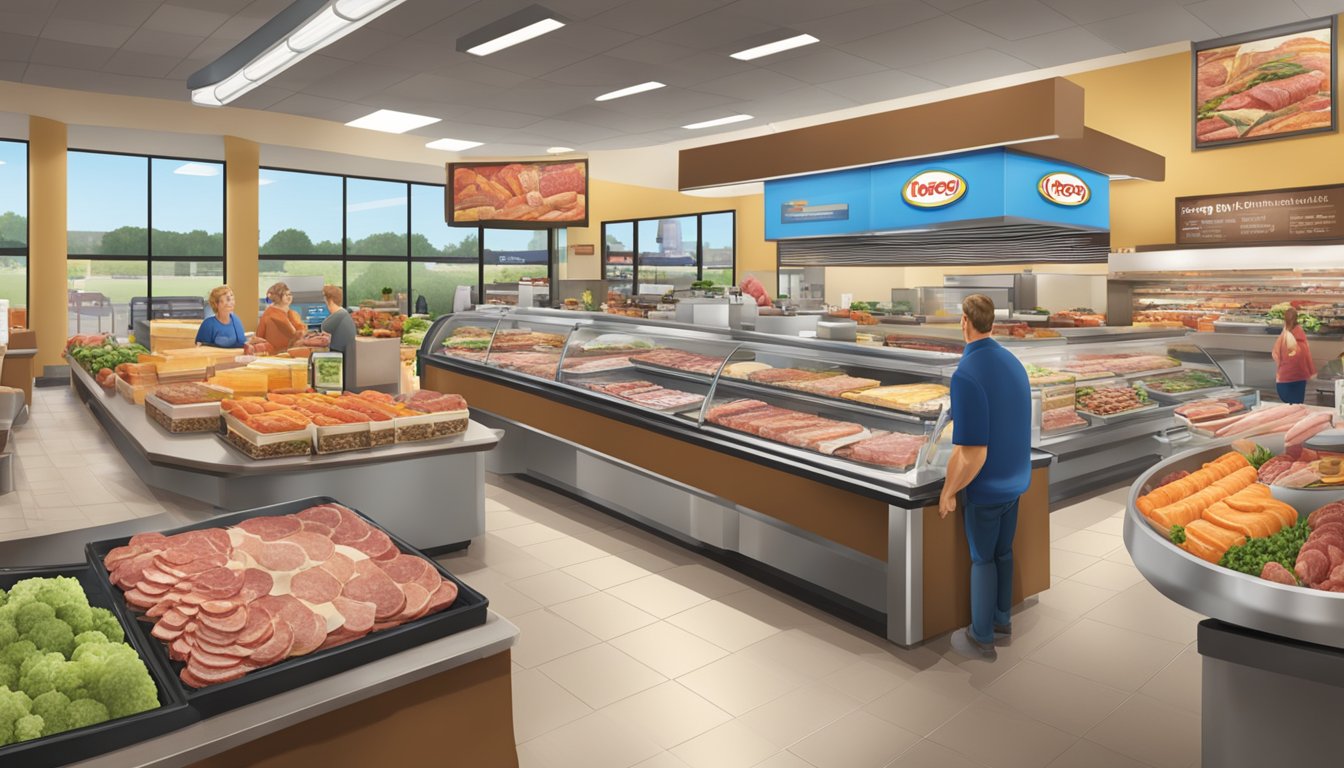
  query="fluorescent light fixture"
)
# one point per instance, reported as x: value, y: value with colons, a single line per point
x: 717, y: 122
x: 269, y: 63
x: 232, y: 88
x: 558, y: 150
x: 358, y: 9
x: 452, y: 145
x: 392, y: 121
x: 779, y: 46
x: 196, y: 169
x: 319, y: 30
x: 532, y: 21
x: 631, y: 91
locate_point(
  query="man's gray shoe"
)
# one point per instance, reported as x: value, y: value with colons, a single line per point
x: 967, y: 646
x: 1002, y: 630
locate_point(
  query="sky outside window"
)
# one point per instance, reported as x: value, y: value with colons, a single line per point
x: 303, y: 209
x: 188, y: 208
x: 375, y: 218
x: 107, y: 194
x: 430, y: 234
x: 13, y: 194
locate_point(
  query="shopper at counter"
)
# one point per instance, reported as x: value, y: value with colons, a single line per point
x: 224, y: 329
x: 280, y: 324
x: 991, y: 462
x: 338, y: 323
x: 1292, y: 361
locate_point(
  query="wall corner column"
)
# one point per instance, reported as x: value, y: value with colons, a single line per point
x: 242, y: 162
x: 47, y: 300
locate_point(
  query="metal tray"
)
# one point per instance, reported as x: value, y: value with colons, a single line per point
x: 805, y: 452
x: 1097, y: 418
x: 822, y: 401
x: 567, y: 374
x: 924, y: 354
x: 1180, y: 398
x: 90, y: 741
x: 468, y: 611
x: 699, y: 378
x: 1086, y: 417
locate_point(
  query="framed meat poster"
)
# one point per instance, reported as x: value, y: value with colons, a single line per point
x: 1271, y: 84
x: 534, y: 195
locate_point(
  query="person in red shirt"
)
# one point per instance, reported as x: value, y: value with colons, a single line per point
x: 1292, y: 361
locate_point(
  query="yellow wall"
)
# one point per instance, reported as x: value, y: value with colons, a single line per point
x: 241, y: 159
x: 47, y: 238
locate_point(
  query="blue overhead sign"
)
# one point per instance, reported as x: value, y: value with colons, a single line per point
x: 987, y: 184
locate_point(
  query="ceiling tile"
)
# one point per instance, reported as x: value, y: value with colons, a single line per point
x: 1014, y: 19
x: 636, y: 140
x: 70, y: 55
x: 699, y: 69
x: 824, y: 65
x: 446, y: 89
x: 1314, y: 8
x: 581, y: 9
x: 791, y: 12
x: 605, y: 72
x: 130, y: 13
x: 409, y: 18
x: 464, y: 20
x: 1231, y: 17
x: 645, y: 17
x: 313, y: 69
x: 262, y: 98
x: 879, y: 86
x: 185, y: 21
x: 361, y: 44
x: 12, y: 70
x: 670, y: 102
x: 162, y: 43
x: 565, y: 46
x: 16, y: 47
x: 1053, y: 49
x: 855, y: 25
x: 718, y: 31
x: 570, y: 133
x: 496, y: 118
x: 970, y: 67
x: 801, y: 103
x: 929, y: 40
x: 1155, y: 26
x: 186, y: 68
x: 141, y: 64
x: 104, y: 82
x: 22, y: 23
x: 629, y: 123
x: 408, y: 54
x: 651, y: 51
x: 310, y: 106
x: 539, y: 99
x: 950, y: 5
x: 219, y: 6
x: 239, y: 27
x: 751, y: 83
x: 468, y: 67
x: 357, y: 82
x: 86, y: 32
x: 265, y: 8
x: 1088, y: 11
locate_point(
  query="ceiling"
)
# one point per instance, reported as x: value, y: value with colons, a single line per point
x: 540, y: 93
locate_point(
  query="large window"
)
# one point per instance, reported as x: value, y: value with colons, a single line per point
x: 139, y: 228
x: 668, y: 253
x: 375, y: 234
x: 14, y: 222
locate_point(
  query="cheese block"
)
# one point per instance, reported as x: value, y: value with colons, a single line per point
x: 741, y: 370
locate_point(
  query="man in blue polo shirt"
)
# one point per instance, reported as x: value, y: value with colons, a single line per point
x: 991, y: 461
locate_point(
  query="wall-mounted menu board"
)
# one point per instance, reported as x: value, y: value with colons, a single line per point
x: 1269, y: 84
x: 520, y: 195
x: 1271, y: 216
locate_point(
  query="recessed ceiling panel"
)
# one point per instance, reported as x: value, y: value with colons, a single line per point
x: 970, y: 67
x: 824, y: 65
x: 142, y: 64
x: 645, y: 17
x: 1150, y: 27
x: 1014, y: 19
x: 161, y: 43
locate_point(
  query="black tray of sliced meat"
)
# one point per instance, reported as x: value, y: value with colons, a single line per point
x: 110, y: 735
x: 255, y: 603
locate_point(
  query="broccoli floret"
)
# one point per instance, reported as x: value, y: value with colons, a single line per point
x: 106, y: 622
x: 49, y: 672
x: 87, y: 712
x: 52, y: 635
x: 79, y: 617
x: 94, y: 653
x: 13, y: 705
x: 8, y: 633
x: 91, y: 636
x: 17, y: 652
x: 121, y: 682
x: 28, y: 727
x: 9, y: 675
x: 4, y: 596
x: 30, y: 614
x: 61, y: 591
x: 54, y: 709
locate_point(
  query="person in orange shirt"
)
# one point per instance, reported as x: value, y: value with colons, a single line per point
x: 279, y: 324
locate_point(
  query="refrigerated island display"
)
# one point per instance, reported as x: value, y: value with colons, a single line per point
x: 813, y: 463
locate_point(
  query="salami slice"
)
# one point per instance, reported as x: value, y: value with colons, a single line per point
x: 309, y: 636
x: 316, y: 546
x: 217, y: 584
x: 256, y: 583
x: 323, y: 514
x: 340, y: 566
x: 152, y: 589
x: 341, y: 637
x: 376, y: 544
x: 378, y: 588
x: 230, y: 623
x: 258, y: 627
x: 315, y: 585
x: 358, y: 615
x: 272, y: 528
x: 417, y: 600
x: 443, y: 597
x: 312, y: 526
x: 199, y: 676
x: 277, y: 648
x: 403, y: 568
x: 164, y: 632
x: 147, y: 540
x: 280, y: 556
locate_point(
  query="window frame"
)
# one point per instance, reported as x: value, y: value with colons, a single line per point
x: 699, y: 244
x: 26, y: 250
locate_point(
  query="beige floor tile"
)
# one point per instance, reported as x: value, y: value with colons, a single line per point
x: 1089, y: 754
x: 603, y: 540
x: 1001, y: 737
x: 862, y: 681
x: 670, y: 650
x: 1151, y: 732
x: 728, y: 746
x: 600, y: 675
x: 710, y: 582
x: 530, y: 533
x: 52, y: 500
x: 659, y: 596
x: 856, y: 740
x: 541, y: 705
x: 1059, y: 530
x: 802, y: 651
x: 11, y: 511
x: 1070, y: 599
x: 1064, y: 563
x: 663, y: 760
x: 13, y: 526
x: 928, y: 754
x: 603, y: 615
x: 738, y: 685
x: 552, y: 587
x: 1060, y: 699
x: 1120, y: 555
x: 928, y: 700
x: 56, y: 514
x: 1143, y: 609
x: 516, y: 564
x: 798, y: 714
x: 668, y: 713
x: 1088, y: 543
x: 1083, y: 513
x: 772, y: 608
x: 1112, y: 525
x: 111, y: 512
x: 66, y: 459
x: 784, y: 759
x: 1108, y: 655
x: 607, y: 572
x: 1109, y: 575
x: 562, y: 552
x: 595, y: 741
x: 722, y: 625
x: 1180, y: 684
x: 543, y: 637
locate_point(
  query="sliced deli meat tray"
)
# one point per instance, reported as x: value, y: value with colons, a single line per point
x: 92, y: 740
x: 252, y: 604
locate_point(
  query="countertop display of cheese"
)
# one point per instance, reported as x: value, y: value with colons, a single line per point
x: 902, y: 396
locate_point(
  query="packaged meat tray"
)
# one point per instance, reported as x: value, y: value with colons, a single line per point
x: 444, y: 415
x: 680, y: 361
x: 338, y: 438
x: 93, y: 740
x: 183, y: 419
x: 593, y: 364
x: 884, y: 450
x: 267, y: 445
x: 289, y: 587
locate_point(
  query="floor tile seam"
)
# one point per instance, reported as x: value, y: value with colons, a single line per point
x: 923, y: 739
x: 1145, y: 681
x: 1145, y: 633
x: 916, y: 736
x: 954, y: 748
x: 731, y: 717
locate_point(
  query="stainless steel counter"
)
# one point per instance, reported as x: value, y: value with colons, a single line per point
x: 431, y: 493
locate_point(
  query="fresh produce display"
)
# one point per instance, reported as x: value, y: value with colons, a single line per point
x: 228, y: 601
x: 328, y: 371
x: 1281, y: 549
x: 650, y: 395
x: 681, y: 360
x: 101, y: 354
x: 915, y: 398
x: 63, y: 663
x: 379, y: 325
x: 1108, y: 401
x: 828, y: 436
x: 413, y: 331
x: 1185, y: 381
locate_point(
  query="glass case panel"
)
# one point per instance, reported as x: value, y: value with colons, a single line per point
x: 465, y: 336
x: 529, y: 345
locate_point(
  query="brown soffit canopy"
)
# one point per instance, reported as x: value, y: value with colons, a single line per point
x: 1042, y: 118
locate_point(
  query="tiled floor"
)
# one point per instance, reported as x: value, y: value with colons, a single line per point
x: 635, y: 652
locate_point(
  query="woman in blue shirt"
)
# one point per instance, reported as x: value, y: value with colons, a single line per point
x: 224, y: 329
